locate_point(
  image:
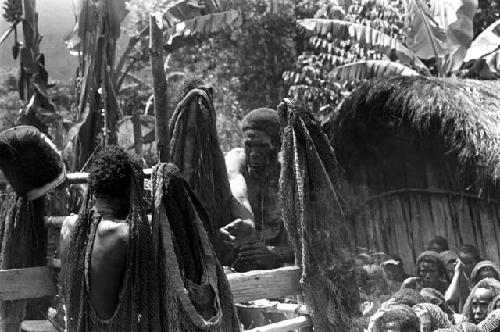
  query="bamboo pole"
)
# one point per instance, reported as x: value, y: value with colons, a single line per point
x: 160, y: 87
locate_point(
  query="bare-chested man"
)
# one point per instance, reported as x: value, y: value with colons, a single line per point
x: 108, y: 274
x: 253, y: 173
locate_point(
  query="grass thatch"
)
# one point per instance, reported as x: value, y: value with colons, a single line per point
x: 462, y: 114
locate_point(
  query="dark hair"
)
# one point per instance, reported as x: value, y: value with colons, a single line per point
x: 440, y: 241
x: 111, y: 172
x: 469, y: 249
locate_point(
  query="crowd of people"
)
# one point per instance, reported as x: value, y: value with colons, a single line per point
x: 453, y: 290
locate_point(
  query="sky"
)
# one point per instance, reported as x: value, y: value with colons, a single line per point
x: 55, y: 21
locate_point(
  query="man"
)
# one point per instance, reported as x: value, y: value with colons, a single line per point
x: 458, y: 291
x: 121, y: 273
x: 253, y: 173
x: 476, y: 306
x: 431, y: 273
x: 438, y: 244
x: 108, y: 276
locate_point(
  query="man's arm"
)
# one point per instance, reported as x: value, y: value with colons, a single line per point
x: 242, y: 229
x: 235, y: 161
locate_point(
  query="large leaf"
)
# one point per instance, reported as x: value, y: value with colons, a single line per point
x: 369, y: 69
x: 203, y: 25
x: 365, y: 36
x: 442, y: 30
x: 487, y: 42
x: 182, y: 10
x: 87, y: 14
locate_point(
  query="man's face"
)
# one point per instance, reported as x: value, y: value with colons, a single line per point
x: 259, y: 150
x: 469, y: 262
x: 392, y: 271
x: 429, y: 273
x: 480, y: 301
x: 487, y: 272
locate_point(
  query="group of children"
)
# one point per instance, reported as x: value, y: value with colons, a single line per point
x: 453, y: 290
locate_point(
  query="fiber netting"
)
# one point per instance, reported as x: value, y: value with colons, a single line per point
x: 197, y: 296
x: 195, y: 149
x: 140, y: 307
x: 23, y: 243
x: 314, y: 218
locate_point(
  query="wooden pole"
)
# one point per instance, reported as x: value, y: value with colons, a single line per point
x: 160, y: 87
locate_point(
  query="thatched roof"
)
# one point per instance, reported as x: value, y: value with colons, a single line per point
x: 463, y: 114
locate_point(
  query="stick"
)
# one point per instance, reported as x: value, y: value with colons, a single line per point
x: 160, y: 87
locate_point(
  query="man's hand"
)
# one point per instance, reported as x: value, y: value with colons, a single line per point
x: 459, y: 267
x: 258, y: 256
x: 238, y: 233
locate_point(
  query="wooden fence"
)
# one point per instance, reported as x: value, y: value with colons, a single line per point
x: 37, y: 282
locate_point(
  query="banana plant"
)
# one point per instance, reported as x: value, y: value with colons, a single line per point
x: 483, y: 57
x: 101, y: 77
x: 33, y: 85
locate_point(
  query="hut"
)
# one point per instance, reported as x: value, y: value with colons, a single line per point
x: 421, y: 158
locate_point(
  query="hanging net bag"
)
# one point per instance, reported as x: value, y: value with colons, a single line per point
x: 314, y: 218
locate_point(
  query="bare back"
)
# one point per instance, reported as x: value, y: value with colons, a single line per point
x: 107, y: 266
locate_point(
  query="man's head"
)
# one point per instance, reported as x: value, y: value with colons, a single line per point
x: 393, y: 268
x: 110, y: 175
x: 438, y: 244
x: 430, y: 268
x: 484, y: 269
x: 261, y: 139
x: 481, y: 299
x: 450, y: 259
x: 469, y: 256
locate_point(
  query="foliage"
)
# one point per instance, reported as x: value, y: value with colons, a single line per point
x: 9, y: 101
x: 488, y: 12
x: 343, y: 41
x: 369, y: 39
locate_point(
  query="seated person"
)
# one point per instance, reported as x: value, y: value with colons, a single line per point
x: 253, y: 173
x: 476, y: 305
x: 431, y: 273
x: 395, y: 273
x: 482, y: 270
x: 437, y: 244
x: 458, y: 291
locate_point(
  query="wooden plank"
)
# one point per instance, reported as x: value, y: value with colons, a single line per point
x: 37, y: 326
x: 285, y: 326
x: 38, y: 282
x: 278, y: 307
x: 262, y: 284
x: 29, y: 283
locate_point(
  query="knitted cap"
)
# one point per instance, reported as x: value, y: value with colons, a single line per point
x: 264, y: 119
x: 481, y: 265
x: 30, y: 161
x: 493, y: 303
x: 491, y: 322
x: 439, y: 319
